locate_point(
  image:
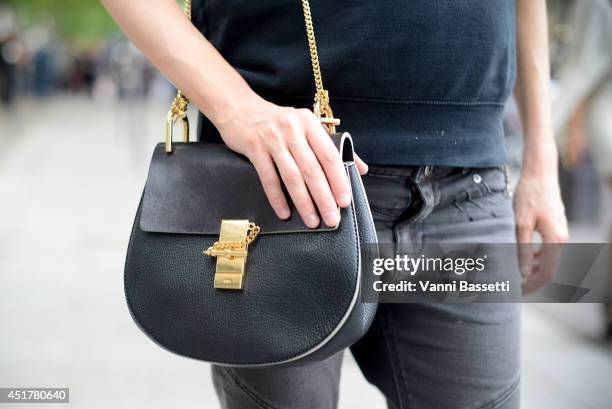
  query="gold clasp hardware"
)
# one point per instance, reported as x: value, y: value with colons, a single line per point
x: 178, y: 111
x: 323, y: 111
x: 231, y: 251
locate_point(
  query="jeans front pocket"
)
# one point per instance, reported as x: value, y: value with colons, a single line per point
x: 485, y: 194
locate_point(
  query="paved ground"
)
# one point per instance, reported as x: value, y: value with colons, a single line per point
x: 71, y: 171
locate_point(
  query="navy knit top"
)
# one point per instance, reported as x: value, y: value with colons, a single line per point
x: 415, y: 82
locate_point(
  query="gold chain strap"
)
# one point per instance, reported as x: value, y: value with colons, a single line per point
x: 235, y: 245
x: 321, y: 106
x: 312, y: 46
x: 178, y: 109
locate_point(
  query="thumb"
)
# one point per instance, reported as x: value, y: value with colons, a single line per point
x: 361, y: 165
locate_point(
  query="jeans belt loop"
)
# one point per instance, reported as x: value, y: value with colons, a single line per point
x: 421, y: 173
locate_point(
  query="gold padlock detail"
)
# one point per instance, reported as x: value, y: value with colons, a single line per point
x: 231, y: 252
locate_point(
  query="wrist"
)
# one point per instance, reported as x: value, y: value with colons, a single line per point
x: 545, y: 171
x: 540, y: 157
x: 226, y: 108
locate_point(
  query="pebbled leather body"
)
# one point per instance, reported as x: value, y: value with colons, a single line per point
x: 301, y: 298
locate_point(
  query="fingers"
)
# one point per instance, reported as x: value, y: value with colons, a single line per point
x: 329, y: 158
x: 316, y: 182
x: 539, y: 267
x: 524, y: 234
x: 546, y: 262
x: 294, y: 182
x: 361, y: 165
x: 307, y: 161
x: 271, y: 184
x: 553, y: 231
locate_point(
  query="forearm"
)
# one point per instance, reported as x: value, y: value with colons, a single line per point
x: 532, y: 87
x: 178, y: 50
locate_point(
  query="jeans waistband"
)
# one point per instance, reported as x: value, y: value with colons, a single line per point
x: 415, y: 173
x: 421, y: 173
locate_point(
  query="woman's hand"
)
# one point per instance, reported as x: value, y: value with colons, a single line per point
x: 294, y: 142
x: 538, y: 207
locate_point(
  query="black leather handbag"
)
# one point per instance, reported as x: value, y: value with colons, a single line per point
x: 211, y: 273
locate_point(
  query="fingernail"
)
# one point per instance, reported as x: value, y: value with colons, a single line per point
x: 284, y: 213
x: 332, y: 219
x: 345, y: 199
x: 312, y: 220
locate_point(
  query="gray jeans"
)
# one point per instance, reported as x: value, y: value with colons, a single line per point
x: 432, y: 355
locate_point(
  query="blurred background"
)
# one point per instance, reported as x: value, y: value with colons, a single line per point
x: 80, y: 113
